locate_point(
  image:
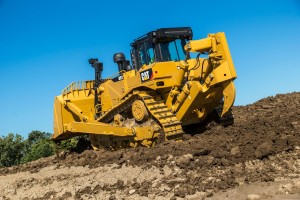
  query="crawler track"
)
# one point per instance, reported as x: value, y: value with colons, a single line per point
x: 170, y: 126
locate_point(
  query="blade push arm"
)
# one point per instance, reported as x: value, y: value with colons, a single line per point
x: 215, y: 75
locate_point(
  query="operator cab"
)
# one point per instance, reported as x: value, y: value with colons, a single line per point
x: 162, y: 45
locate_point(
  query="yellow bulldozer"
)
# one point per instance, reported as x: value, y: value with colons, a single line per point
x: 173, y: 82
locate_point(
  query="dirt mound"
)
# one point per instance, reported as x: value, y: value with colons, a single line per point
x: 266, y: 127
x: 260, y: 146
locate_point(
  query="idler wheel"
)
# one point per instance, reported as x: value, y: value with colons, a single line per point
x: 139, y: 111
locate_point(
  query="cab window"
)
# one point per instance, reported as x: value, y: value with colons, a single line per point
x: 173, y: 50
x: 146, y: 54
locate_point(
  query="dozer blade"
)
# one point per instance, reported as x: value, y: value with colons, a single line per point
x: 229, y: 96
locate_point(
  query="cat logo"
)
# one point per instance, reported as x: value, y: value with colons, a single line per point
x: 146, y: 75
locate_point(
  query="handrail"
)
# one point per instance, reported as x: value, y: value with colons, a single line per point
x: 116, y: 74
x: 78, y: 85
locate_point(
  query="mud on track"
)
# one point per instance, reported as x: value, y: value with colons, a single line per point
x: 262, y: 145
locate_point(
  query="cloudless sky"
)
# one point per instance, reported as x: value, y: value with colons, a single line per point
x: 45, y: 45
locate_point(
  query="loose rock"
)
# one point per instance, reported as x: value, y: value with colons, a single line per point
x: 132, y: 191
x: 253, y: 197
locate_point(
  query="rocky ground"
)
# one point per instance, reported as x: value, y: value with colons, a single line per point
x: 256, y: 158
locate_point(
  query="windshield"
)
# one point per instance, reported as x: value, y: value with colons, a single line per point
x: 164, y: 51
x: 172, y: 51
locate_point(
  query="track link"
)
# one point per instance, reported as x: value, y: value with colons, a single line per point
x: 171, y: 126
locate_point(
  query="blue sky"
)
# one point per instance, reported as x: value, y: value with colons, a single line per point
x: 45, y: 45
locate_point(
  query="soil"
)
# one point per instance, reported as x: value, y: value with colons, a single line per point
x: 256, y: 158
